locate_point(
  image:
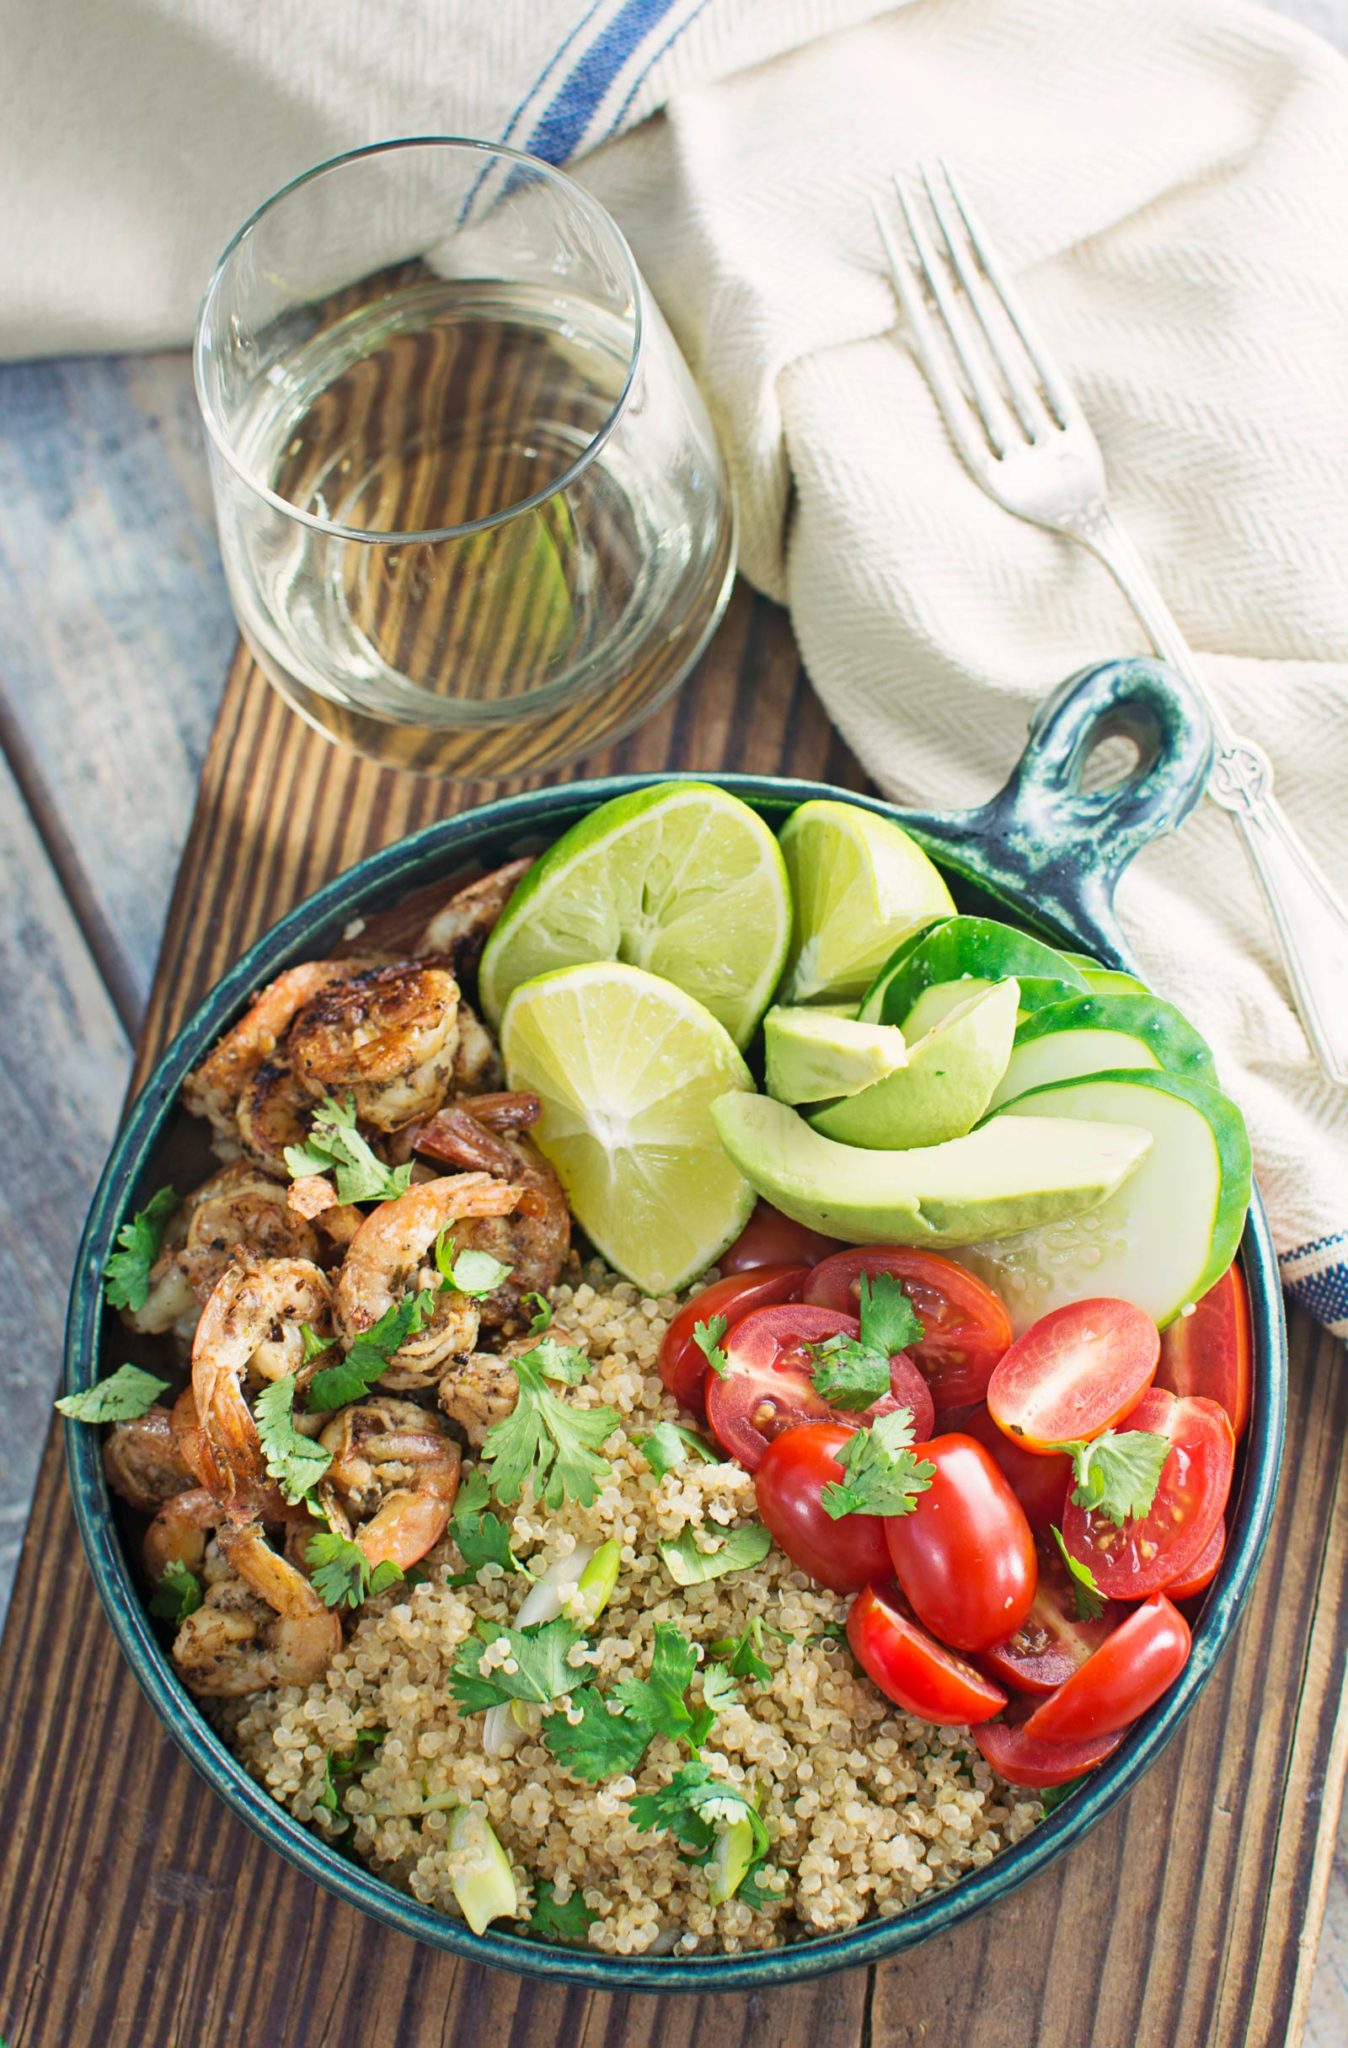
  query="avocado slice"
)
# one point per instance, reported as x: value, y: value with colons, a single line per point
x: 1006, y: 1176
x: 810, y: 1056
x: 945, y: 1086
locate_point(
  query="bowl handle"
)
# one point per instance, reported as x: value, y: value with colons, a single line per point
x: 1042, y: 835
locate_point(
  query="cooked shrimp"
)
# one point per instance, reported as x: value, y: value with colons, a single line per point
x: 395, y: 1470
x: 213, y: 1089
x: 273, y: 1111
x: 477, y: 1063
x: 484, y: 1389
x: 314, y: 1197
x: 264, y: 1626
x: 462, y: 927
x: 241, y: 1206
x: 536, y: 1238
x: 391, y: 1256
x: 388, y: 1037
x: 252, y: 1319
x: 143, y: 1462
x: 180, y: 1532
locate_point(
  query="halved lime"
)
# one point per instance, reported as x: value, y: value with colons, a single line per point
x: 681, y: 879
x: 860, y: 883
x: 626, y: 1067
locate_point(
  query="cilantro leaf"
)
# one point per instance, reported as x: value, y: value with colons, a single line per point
x: 847, y: 1374
x: 882, y: 1475
x: 1054, y: 1795
x: 371, y: 1354
x: 1117, y: 1474
x: 546, y: 1443
x: 471, y: 1272
x: 689, y: 1565
x: 707, y: 1337
x: 613, y: 1734
x: 889, y: 1322
x: 334, y: 1145
x: 342, y: 1575
x: 692, y: 1806
x: 121, y: 1397
x: 295, y: 1462
x: 542, y: 1316
x: 719, y: 1689
x: 336, y: 1766
x: 177, y: 1593
x: 604, y: 1743
x: 555, y: 1919
x: 313, y: 1345
x: 744, y: 1654
x: 480, y: 1535
x: 539, y: 1654
x: 759, y: 1897
x: 1090, y: 1601
x: 126, y: 1277
x: 670, y: 1445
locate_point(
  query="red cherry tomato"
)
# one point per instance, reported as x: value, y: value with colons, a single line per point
x: 771, y: 1239
x: 1166, y: 1543
x: 1023, y: 1760
x: 911, y: 1667
x: 1039, y: 1483
x: 964, y: 1556
x: 1207, y: 1352
x: 797, y: 1465
x: 768, y: 1385
x: 683, y: 1364
x: 1203, y: 1571
x: 1053, y: 1641
x: 965, y: 1327
x: 1079, y: 1370
x: 1126, y: 1675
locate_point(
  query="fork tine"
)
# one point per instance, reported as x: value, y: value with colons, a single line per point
x: 1047, y: 370
x: 954, y: 405
x: 988, y: 401
x: 1007, y: 361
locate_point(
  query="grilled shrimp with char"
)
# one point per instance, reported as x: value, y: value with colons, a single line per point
x: 252, y: 1322
x: 261, y: 1626
x: 387, y: 1037
x: 534, y: 1239
x: 393, y: 1478
x: 213, y: 1089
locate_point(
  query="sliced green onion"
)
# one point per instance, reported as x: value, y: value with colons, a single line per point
x: 595, y: 1585
x: 730, y: 1859
x: 485, y: 1889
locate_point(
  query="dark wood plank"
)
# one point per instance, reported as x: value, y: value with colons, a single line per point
x: 157, y: 1919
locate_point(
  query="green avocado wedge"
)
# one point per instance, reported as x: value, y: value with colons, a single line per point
x: 945, y: 1085
x: 1163, y: 1237
x: 1097, y: 1034
x: 1006, y: 1176
x: 974, y: 946
x: 811, y: 1055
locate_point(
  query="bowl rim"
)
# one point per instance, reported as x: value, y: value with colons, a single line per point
x: 412, y: 862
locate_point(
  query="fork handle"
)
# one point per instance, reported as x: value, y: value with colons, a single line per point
x: 1309, y: 916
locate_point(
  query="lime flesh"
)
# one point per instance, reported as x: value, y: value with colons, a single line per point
x: 859, y: 884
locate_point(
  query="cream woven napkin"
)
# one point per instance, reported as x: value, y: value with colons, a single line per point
x: 1169, y: 180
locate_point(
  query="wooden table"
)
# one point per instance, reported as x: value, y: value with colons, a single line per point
x: 138, y: 1911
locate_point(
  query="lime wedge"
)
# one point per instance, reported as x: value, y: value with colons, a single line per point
x: 860, y: 884
x: 681, y: 879
x: 626, y: 1067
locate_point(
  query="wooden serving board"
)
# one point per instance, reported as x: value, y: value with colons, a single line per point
x: 138, y: 1913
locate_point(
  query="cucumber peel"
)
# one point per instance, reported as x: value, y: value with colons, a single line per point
x: 1096, y: 1034
x: 975, y: 946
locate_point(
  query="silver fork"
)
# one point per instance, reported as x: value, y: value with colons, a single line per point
x: 1025, y: 439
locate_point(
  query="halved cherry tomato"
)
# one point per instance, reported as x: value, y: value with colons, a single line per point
x: 1024, y: 1760
x: 965, y: 1326
x: 1053, y: 1641
x: 768, y: 1384
x: 911, y: 1667
x: 797, y: 1465
x: 1076, y: 1372
x: 1039, y: 1483
x: 1203, y: 1571
x: 1207, y: 1352
x: 964, y: 1556
x: 771, y: 1239
x: 683, y: 1364
x: 1166, y: 1543
x: 1126, y: 1675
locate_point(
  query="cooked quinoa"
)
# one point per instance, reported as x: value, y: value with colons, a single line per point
x: 868, y: 1809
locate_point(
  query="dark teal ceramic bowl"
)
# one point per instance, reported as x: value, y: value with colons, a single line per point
x: 1043, y: 852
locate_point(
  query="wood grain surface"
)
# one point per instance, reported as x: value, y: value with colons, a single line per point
x: 136, y: 1910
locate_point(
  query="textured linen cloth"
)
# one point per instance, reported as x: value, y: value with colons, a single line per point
x: 1168, y: 180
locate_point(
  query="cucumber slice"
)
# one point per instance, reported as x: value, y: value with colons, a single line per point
x: 1163, y: 1237
x: 1106, y: 981
x: 1102, y: 1034
x: 935, y: 1004
x: 872, y: 1003
x: 967, y: 946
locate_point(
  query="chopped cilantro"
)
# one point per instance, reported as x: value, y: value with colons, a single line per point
x: 693, y: 1805
x: 371, y: 1354
x: 121, y: 1397
x: 882, y: 1475
x: 313, y: 1345
x: 719, y: 1689
x: 1090, y: 1601
x: 854, y: 1372
x: 542, y: 1316
x: 1117, y: 1474
x: 670, y: 1445
x: 744, y: 1654
x: 539, y: 1654
x: 707, y: 1337
x: 688, y: 1564
x: 480, y: 1535
x: 342, y: 1575
x: 760, y: 1898
x: 177, y: 1593
x: 470, y: 1272
x: 336, y: 1766
x: 335, y: 1146
x: 603, y: 1743
x: 613, y: 1733
x: 555, y: 1919
x: 295, y: 1462
x: 1054, y: 1795
x: 545, y: 1442
x: 126, y: 1277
